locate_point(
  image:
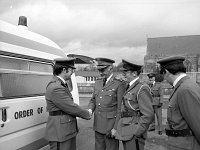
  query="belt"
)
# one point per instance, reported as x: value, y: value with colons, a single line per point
x: 130, y: 114
x: 106, y: 109
x: 179, y: 133
x: 57, y: 113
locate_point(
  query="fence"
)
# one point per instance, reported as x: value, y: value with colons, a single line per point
x: 88, y: 88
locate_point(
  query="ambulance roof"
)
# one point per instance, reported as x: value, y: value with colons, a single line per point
x: 19, y: 40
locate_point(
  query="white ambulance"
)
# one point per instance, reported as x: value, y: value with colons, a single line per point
x: 25, y: 70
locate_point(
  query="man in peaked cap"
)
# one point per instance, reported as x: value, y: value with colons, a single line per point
x: 106, y: 104
x: 184, y: 106
x: 61, y: 128
x: 156, y: 92
x: 137, y: 113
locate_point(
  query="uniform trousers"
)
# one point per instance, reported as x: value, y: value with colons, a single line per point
x: 66, y: 145
x: 104, y: 143
x: 134, y: 144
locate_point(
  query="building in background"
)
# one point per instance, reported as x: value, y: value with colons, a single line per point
x: 160, y: 47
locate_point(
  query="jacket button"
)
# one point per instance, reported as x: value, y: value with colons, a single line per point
x: 100, y: 97
x: 99, y: 104
x: 102, y: 90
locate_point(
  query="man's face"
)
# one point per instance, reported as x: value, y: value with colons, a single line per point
x: 105, y: 72
x: 167, y: 77
x: 151, y: 79
x: 68, y: 73
x: 130, y: 75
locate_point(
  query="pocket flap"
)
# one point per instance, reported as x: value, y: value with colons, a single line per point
x: 127, y: 120
x: 66, y: 119
x: 112, y: 114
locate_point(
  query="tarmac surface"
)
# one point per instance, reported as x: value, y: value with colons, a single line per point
x: 85, y: 138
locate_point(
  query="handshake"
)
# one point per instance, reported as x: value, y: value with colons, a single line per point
x: 90, y: 113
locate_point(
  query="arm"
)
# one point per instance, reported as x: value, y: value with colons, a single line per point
x: 189, y: 104
x: 92, y: 103
x: 65, y: 102
x: 120, y: 92
x: 146, y: 109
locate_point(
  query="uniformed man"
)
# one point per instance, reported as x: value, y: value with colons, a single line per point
x: 61, y: 128
x: 137, y: 110
x: 106, y: 104
x: 156, y: 91
x: 183, y: 114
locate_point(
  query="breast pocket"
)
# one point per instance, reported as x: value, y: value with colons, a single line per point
x: 110, y: 96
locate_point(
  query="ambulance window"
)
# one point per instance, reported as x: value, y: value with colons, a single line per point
x: 14, y: 85
x: 34, y: 66
x: 10, y: 63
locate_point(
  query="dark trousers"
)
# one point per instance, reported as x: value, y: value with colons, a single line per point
x: 103, y: 143
x: 134, y: 144
x: 66, y: 145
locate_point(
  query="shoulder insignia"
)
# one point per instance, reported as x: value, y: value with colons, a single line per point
x: 120, y: 77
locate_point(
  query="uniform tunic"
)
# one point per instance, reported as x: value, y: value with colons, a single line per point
x: 61, y: 128
x: 156, y: 91
x: 106, y: 104
x: 184, y: 113
x: 138, y: 98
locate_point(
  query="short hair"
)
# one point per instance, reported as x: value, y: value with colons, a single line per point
x: 176, y: 68
x: 57, y: 69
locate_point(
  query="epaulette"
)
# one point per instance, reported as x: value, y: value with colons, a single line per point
x: 100, y: 78
x: 120, y: 77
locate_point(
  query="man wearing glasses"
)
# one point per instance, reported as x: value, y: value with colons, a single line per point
x: 106, y: 105
x: 137, y: 113
x: 61, y: 128
x: 183, y: 114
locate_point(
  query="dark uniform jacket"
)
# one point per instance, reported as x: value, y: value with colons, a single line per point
x: 137, y: 98
x: 184, y: 113
x: 58, y: 98
x: 106, y: 104
x: 156, y: 91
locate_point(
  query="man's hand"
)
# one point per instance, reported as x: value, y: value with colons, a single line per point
x: 111, y: 134
x: 90, y: 112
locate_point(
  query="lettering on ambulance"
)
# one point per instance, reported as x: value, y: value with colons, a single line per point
x: 27, y: 113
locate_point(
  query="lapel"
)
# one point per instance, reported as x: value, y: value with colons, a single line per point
x: 64, y: 85
x: 109, y: 83
x: 177, y: 85
x: 132, y: 86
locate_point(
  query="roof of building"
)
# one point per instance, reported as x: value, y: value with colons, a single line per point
x: 173, y: 45
x: 87, y: 73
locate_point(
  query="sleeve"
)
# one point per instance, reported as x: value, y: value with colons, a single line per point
x: 120, y: 92
x: 146, y: 110
x: 160, y: 90
x: 64, y: 101
x: 92, y: 102
x: 189, y: 103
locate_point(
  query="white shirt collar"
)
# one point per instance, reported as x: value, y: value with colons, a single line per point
x: 109, y: 78
x: 133, y: 81
x: 62, y: 79
x: 179, y: 78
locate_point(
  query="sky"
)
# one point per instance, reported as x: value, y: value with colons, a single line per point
x: 115, y: 29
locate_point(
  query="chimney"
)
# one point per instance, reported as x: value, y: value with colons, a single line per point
x: 22, y: 22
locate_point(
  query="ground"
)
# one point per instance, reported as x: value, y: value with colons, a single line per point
x: 85, y: 138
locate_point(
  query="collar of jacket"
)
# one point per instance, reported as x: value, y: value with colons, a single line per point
x: 133, y: 85
x: 177, y: 85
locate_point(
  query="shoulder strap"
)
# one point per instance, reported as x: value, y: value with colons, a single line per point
x: 140, y: 90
